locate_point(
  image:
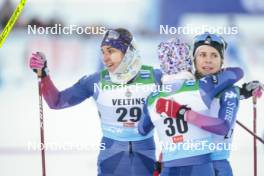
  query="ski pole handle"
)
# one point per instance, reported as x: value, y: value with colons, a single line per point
x: 38, y: 70
x: 39, y: 73
x: 254, y: 101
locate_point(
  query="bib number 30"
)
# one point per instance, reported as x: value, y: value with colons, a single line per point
x: 175, y: 124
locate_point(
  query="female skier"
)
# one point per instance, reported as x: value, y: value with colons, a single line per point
x: 119, y: 103
x: 186, y: 139
x: 209, y: 59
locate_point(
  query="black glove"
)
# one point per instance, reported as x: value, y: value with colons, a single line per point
x: 247, y: 89
x: 182, y: 111
x: 158, y: 167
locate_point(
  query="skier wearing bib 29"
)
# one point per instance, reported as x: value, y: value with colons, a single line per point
x: 185, y: 134
x: 119, y: 103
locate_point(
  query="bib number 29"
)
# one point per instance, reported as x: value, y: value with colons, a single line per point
x: 134, y: 114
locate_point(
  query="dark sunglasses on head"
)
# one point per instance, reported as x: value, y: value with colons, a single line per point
x: 114, y: 35
x: 207, y: 38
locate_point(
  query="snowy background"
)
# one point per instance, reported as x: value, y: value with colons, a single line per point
x: 71, y: 57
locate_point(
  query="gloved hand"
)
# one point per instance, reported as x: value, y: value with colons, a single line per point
x: 253, y: 88
x: 171, y: 108
x: 158, y: 167
x: 38, y: 61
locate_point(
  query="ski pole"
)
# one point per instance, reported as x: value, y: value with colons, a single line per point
x: 250, y: 132
x: 41, y: 125
x: 254, y: 131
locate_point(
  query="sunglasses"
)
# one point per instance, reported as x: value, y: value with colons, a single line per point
x: 114, y: 35
x: 207, y: 38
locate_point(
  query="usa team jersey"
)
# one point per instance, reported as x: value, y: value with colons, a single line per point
x: 225, y: 107
x: 119, y: 106
x: 176, y: 134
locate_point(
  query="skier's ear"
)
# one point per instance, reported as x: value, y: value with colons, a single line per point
x: 194, y: 62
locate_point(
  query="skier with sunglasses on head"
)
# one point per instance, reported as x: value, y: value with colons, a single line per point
x: 179, y: 126
x: 119, y: 103
x: 209, y: 59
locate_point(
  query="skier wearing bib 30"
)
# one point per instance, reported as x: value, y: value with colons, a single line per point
x: 120, y: 92
x: 183, y: 133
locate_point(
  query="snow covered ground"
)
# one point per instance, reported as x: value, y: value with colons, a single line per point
x: 77, y: 129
